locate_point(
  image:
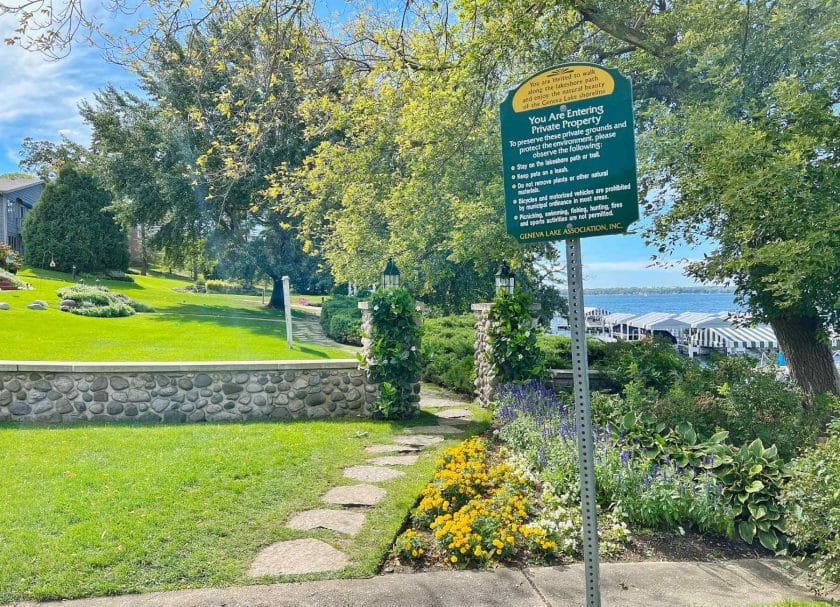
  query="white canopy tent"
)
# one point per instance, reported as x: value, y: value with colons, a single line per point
x: 737, y: 339
x: 615, y: 324
x: 659, y: 322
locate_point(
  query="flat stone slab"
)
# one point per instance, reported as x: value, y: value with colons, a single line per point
x: 392, y: 448
x: 437, y: 402
x: 394, y: 460
x: 354, y: 495
x: 297, y: 557
x: 455, y: 414
x: 418, y: 440
x: 434, y: 430
x: 343, y: 521
x: 372, y: 474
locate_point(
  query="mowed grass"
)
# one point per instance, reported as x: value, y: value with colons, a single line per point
x: 107, y: 509
x: 184, y: 327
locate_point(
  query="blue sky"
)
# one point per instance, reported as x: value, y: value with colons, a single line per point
x: 39, y: 99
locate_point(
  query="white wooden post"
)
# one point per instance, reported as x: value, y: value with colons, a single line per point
x: 287, y: 305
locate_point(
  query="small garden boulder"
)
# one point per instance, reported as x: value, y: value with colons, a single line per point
x: 38, y: 304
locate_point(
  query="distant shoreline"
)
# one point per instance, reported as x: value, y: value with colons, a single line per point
x: 658, y: 290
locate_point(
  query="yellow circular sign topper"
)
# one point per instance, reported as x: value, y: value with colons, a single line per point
x: 562, y: 85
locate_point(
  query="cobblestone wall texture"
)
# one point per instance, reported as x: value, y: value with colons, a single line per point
x: 177, y: 393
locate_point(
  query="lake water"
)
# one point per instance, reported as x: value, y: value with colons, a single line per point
x: 675, y: 303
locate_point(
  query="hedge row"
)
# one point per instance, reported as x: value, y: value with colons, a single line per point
x: 341, y: 319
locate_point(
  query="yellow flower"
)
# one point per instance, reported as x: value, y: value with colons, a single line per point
x: 453, y: 558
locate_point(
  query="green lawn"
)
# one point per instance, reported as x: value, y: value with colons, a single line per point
x: 185, y: 326
x: 103, y: 509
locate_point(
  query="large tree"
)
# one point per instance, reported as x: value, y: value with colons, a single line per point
x: 737, y: 113
x: 236, y: 85
x: 142, y: 161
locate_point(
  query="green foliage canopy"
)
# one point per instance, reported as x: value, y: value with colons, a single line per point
x: 70, y: 224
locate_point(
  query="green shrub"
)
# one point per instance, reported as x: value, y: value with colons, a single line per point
x: 514, y: 354
x: 394, y: 361
x: 227, y: 288
x: 9, y: 259
x: 558, y: 351
x: 812, y: 504
x: 673, y: 498
x: 448, y: 350
x: 653, y: 363
x: 345, y: 329
x: 341, y: 319
x: 101, y: 302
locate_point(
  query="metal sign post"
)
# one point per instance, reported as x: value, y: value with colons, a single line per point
x: 287, y: 305
x: 569, y: 167
x: 583, y: 419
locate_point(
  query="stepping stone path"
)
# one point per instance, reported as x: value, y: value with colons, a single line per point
x: 395, y: 460
x: 296, y: 557
x: 355, y: 495
x: 343, y: 521
x: 418, y: 440
x: 350, y: 502
x: 392, y: 448
x: 372, y: 474
x: 434, y: 430
x: 455, y: 414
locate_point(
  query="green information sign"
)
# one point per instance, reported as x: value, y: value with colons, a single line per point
x: 569, y: 154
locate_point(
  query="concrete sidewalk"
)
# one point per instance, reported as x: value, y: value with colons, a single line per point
x: 652, y: 584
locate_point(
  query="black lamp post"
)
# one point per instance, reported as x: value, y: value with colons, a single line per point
x: 504, y: 279
x: 390, y: 276
x: 74, y: 272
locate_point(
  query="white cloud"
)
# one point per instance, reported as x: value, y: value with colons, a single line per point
x: 39, y: 98
x: 634, y: 266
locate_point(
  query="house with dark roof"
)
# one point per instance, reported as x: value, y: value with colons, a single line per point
x: 17, y: 197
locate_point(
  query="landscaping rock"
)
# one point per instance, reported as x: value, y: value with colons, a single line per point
x: 4, y: 305
x: 354, y: 495
x: 342, y: 521
x: 297, y: 557
x: 418, y: 440
x: 119, y: 383
x: 372, y: 474
x: 394, y: 460
x: 392, y: 448
x: 38, y: 304
x: 434, y: 430
x: 455, y: 414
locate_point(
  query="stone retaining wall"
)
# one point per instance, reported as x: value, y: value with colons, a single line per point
x: 182, y: 392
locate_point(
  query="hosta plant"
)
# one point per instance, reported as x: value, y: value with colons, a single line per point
x: 752, y: 477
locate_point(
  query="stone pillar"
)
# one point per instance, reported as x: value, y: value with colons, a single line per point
x: 367, y: 329
x: 485, y: 380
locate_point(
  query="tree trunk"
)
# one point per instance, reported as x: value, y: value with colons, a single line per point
x: 810, y: 360
x: 276, y: 300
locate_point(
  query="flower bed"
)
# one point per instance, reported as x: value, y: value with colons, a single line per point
x: 485, y: 506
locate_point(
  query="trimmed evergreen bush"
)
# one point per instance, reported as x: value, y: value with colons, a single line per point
x: 449, y: 352
x: 341, y: 319
x: 71, y: 226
